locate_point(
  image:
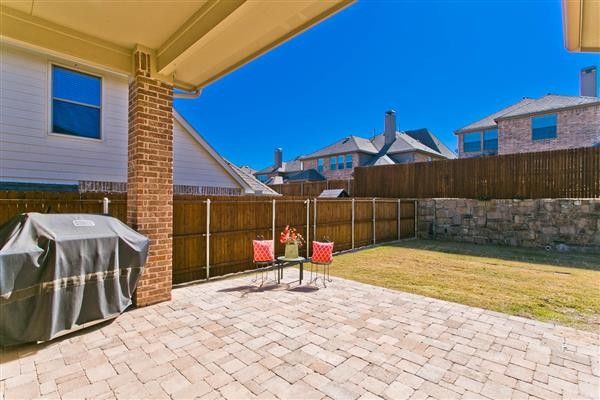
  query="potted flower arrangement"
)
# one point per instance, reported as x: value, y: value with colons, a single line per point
x: 292, y: 240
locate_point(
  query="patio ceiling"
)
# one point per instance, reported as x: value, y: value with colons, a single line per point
x: 581, y: 25
x: 195, y: 42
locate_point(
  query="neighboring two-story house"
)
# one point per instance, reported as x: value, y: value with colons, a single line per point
x: 338, y: 160
x: 551, y: 122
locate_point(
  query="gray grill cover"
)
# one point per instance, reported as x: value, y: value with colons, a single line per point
x: 62, y: 270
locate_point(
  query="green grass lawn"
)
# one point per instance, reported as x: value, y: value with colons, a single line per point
x: 548, y: 286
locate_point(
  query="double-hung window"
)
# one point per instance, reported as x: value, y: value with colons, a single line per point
x: 340, y: 162
x: 332, y: 163
x: 543, y: 127
x: 76, y: 103
x: 349, y: 161
x: 490, y: 140
x: 472, y: 142
x: 320, y: 165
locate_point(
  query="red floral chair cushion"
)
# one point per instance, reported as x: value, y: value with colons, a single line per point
x: 322, y: 252
x: 263, y: 250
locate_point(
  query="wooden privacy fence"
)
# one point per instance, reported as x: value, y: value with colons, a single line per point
x: 13, y: 203
x: 573, y: 173
x: 313, y: 189
x: 212, y: 236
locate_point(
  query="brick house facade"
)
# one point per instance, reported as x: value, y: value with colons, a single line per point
x: 328, y: 173
x: 575, y: 123
x: 577, y: 127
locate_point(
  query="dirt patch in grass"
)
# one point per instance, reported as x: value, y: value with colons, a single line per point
x: 548, y: 286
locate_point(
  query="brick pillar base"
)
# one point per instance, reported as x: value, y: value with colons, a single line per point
x: 150, y: 177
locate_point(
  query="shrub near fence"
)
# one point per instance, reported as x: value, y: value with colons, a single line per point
x: 573, y: 173
x: 233, y: 222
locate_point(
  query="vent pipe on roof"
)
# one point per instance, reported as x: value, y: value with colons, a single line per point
x: 588, y: 82
x: 389, y: 132
x: 278, y: 158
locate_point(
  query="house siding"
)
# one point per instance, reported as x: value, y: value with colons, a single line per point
x: 578, y: 127
x: 29, y: 154
x: 194, y: 166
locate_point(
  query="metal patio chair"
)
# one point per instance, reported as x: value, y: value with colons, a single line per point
x: 322, y: 255
x: 263, y: 258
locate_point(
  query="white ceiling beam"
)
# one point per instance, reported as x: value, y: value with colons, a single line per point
x: 37, y: 33
x: 180, y: 44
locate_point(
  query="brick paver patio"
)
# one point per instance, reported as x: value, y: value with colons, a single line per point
x: 348, y: 341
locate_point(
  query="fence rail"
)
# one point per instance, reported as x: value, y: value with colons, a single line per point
x: 571, y: 173
x: 212, y: 236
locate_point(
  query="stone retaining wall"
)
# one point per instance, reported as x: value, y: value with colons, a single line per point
x: 562, y: 224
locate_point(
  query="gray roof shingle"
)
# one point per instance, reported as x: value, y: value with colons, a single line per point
x: 286, y: 166
x: 350, y: 144
x: 430, y: 140
x: 306, y: 175
x: 255, y: 184
x: 402, y: 144
x: 490, y: 120
x: 550, y: 102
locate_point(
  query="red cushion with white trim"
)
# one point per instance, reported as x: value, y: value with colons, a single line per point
x: 263, y: 250
x: 322, y: 252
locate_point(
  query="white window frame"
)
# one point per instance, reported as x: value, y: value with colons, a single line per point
x: 87, y: 71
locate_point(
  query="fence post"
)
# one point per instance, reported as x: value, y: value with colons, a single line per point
x: 416, y: 214
x: 374, y: 237
x: 399, y: 217
x: 307, y: 228
x: 105, y: 202
x: 207, y: 239
x: 315, y: 219
x: 273, y: 228
x: 353, y: 223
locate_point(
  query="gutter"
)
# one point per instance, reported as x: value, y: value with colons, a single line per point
x: 187, y: 94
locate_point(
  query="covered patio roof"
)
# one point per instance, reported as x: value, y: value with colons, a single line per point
x: 581, y: 25
x: 194, y: 42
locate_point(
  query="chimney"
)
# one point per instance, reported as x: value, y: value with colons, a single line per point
x: 588, y: 83
x: 389, y: 132
x: 278, y: 158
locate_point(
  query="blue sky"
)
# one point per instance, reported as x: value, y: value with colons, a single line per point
x: 439, y: 64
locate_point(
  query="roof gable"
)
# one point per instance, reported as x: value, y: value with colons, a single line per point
x: 490, y: 120
x: 401, y: 144
x: 238, y: 175
x: 430, y: 140
x: 350, y: 144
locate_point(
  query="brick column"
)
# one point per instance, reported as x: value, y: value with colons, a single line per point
x: 150, y: 177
